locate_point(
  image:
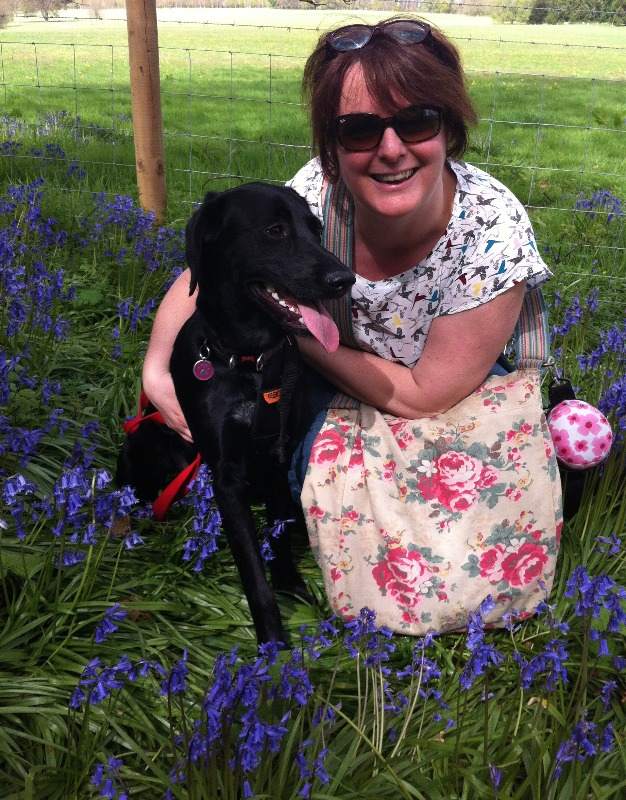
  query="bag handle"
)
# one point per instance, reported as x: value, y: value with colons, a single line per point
x: 531, y: 337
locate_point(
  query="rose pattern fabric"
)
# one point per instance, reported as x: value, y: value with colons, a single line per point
x: 421, y: 519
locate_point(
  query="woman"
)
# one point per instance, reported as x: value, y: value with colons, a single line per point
x: 418, y: 521
x: 442, y: 252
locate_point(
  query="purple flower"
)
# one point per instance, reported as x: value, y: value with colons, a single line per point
x: 175, y: 682
x: 295, y: 682
x: 105, y: 778
x: 97, y: 681
x: 482, y: 654
x: 326, y: 635
x: 108, y: 624
x: 495, y: 775
x: 550, y: 663
x: 594, y: 595
x: 267, y: 554
x: 585, y: 742
x: 311, y: 768
x: 606, y: 693
x: 363, y: 637
x: 70, y: 558
x: 132, y: 540
x: 613, y: 402
x: 206, y: 519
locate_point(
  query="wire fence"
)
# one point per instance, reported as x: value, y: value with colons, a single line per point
x: 551, y: 127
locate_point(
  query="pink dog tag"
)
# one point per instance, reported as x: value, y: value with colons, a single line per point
x: 203, y: 370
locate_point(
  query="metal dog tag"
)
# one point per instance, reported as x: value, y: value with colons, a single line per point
x: 203, y: 369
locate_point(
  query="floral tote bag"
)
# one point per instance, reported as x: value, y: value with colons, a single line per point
x: 420, y: 520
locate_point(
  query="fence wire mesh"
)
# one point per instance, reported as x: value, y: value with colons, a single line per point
x: 550, y: 101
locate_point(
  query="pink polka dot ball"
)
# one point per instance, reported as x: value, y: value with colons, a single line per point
x: 581, y: 434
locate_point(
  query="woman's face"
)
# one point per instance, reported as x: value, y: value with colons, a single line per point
x: 396, y: 179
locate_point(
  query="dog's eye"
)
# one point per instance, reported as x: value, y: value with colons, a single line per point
x: 277, y: 231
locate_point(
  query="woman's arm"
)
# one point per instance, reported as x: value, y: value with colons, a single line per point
x: 175, y: 309
x: 459, y: 352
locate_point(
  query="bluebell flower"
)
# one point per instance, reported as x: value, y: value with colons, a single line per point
x: 572, y: 317
x: 482, y: 654
x: 70, y: 558
x: 108, y: 624
x: 74, y: 170
x: 206, y: 519
x: 549, y: 664
x: 311, y: 769
x: 495, y: 775
x: 16, y: 487
x: 363, y: 637
x: 105, y: 778
x: 175, y: 683
x: 546, y: 610
x: 612, y: 346
x: 277, y: 529
x: 585, y: 742
x: 132, y: 540
x: 326, y: 635
x: 607, y: 691
x: 593, y: 595
x: 295, y: 681
x: 613, y: 402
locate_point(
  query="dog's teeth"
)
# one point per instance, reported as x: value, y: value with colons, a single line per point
x: 275, y: 296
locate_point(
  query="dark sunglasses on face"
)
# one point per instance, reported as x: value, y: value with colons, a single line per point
x: 361, y: 132
x: 354, y: 37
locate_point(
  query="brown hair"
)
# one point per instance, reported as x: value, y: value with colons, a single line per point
x: 428, y: 74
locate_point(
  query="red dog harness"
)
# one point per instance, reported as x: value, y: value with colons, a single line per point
x: 179, y: 486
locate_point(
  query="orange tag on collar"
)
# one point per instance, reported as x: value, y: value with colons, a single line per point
x: 273, y: 396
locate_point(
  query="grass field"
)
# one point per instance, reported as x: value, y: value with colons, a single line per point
x: 550, y: 99
x: 114, y: 650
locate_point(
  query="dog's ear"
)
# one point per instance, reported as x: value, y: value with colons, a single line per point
x: 202, y: 229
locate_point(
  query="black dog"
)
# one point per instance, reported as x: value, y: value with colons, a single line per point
x: 255, y: 256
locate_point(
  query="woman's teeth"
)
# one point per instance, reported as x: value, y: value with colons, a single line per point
x: 397, y: 177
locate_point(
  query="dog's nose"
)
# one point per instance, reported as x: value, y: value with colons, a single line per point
x: 339, y: 281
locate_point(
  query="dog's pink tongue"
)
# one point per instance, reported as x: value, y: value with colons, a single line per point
x: 320, y: 324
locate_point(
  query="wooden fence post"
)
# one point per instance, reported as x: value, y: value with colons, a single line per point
x: 143, y: 58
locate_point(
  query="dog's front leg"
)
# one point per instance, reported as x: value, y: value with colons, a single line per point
x: 280, y: 507
x: 230, y: 489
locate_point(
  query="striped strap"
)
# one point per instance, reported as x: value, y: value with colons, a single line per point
x: 532, y: 343
x: 531, y: 332
x: 338, y: 238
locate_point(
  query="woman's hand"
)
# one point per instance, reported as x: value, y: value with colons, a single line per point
x: 160, y: 391
x: 176, y: 307
x: 459, y: 352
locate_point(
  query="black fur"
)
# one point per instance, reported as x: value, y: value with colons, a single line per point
x: 237, y: 240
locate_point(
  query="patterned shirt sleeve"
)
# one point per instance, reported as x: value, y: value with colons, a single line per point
x: 308, y: 183
x: 497, y: 250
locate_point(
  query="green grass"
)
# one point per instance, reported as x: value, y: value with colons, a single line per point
x: 553, y: 115
x: 219, y: 124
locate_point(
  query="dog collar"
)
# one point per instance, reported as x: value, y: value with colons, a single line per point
x: 204, y: 370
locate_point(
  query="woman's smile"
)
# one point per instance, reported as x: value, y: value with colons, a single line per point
x: 395, y: 178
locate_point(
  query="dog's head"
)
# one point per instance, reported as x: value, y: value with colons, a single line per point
x: 255, y: 255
